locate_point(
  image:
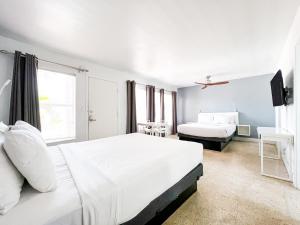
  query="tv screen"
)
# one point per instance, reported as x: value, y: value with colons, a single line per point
x: 278, y: 92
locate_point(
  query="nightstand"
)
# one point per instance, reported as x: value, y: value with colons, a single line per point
x: 243, y: 130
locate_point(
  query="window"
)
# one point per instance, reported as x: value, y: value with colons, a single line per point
x: 140, y: 92
x: 157, y: 106
x: 168, y: 108
x: 141, y: 114
x: 57, y: 105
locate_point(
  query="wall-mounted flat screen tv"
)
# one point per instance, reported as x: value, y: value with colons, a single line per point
x: 278, y: 91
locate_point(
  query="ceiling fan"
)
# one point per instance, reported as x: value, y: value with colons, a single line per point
x: 210, y: 83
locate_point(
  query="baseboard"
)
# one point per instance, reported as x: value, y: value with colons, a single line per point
x: 256, y: 140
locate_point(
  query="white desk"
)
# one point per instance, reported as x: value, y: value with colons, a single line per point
x: 277, y: 135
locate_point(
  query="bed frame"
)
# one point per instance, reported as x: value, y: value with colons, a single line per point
x: 163, y: 206
x: 212, y: 143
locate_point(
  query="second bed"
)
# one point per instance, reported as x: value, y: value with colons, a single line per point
x: 213, y: 130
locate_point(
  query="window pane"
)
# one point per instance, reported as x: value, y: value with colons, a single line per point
x: 140, y: 103
x: 157, y: 106
x: 168, y: 108
x: 57, y: 122
x: 57, y: 105
x: 56, y: 88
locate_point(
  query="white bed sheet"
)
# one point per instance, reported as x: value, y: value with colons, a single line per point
x: 207, y: 129
x: 139, y: 168
x: 61, y: 207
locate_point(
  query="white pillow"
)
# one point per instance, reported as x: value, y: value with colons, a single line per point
x: 29, y: 154
x: 205, y: 118
x: 22, y: 125
x: 11, y: 181
x: 3, y: 128
x: 222, y: 119
x: 231, y: 119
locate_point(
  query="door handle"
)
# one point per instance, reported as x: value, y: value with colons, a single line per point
x: 91, y: 119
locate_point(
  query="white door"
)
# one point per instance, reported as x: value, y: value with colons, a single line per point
x: 102, y: 108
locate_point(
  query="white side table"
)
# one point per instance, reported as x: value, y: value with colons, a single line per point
x: 244, y: 130
x: 273, y: 134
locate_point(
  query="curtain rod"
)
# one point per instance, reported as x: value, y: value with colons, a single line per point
x: 47, y: 61
x: 152, y: 85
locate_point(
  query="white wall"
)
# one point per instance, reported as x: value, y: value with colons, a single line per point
x: 286, y: 116
x: 6, y: 70
x: 297, y: 110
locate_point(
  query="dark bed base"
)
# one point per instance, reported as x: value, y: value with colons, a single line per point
x: 163, y: 206
x: 217, y: 144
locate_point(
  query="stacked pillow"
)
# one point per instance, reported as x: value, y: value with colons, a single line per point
x: 216, y: 118
x: 11, y: 181
x: 224, y: 119
x: 205, y: 118
x: 28, y: 156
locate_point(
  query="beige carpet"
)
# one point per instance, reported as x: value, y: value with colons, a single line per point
x: 232, y: 191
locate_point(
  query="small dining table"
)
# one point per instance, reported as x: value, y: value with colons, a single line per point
x: 153, y: 126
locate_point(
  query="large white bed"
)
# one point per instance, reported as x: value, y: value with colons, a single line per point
x: 106, y: 181
x: 207, y: 130
x: 213, y: 130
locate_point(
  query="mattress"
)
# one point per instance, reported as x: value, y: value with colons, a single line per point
x: 207, y: 129
x: 131, y: 163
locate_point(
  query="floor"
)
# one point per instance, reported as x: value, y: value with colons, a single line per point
x: 232, y: 191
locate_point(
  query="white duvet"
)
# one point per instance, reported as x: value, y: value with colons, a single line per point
x: 207, y: 129
x: 106, y: 181
x: 118, y: 177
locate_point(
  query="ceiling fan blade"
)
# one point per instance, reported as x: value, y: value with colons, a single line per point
x: 200, y: 83
x: 219, y: 83
x: 205, y: 85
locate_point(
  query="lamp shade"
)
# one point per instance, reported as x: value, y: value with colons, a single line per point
x: 4, y: 86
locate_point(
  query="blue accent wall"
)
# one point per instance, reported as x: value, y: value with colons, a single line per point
x: 251, y: 97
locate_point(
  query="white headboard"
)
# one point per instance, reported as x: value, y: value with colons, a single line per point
x: 234, y: 114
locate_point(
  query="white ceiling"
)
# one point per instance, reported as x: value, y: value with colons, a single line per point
x: 176, y: 41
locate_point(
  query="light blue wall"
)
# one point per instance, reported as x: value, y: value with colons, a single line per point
x: 251, y: 97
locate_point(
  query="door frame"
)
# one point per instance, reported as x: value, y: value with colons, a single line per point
x: 296, y: 153
x: 87, y: 102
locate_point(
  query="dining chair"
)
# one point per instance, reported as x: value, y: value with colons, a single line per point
x: 161, y: 129
x: 148, y: 129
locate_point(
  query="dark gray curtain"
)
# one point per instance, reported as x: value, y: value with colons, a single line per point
x: 24, y: 102
x: 174, y: 112
x: 131, y: 124
x: 150, y: 103
x: 162, y: 104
